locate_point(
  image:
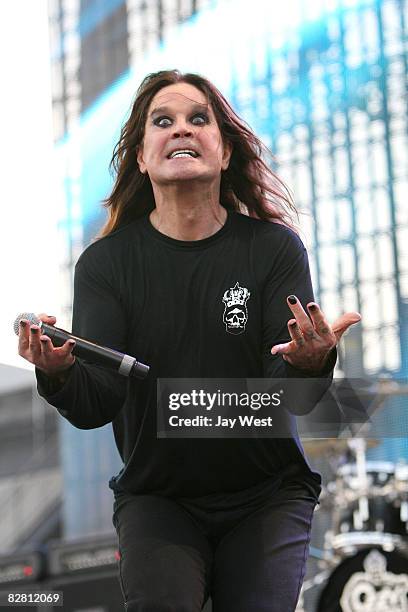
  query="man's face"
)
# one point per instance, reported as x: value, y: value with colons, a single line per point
x: 179, y: 118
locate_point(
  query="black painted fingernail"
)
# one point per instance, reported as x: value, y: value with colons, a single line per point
x: 43, y: 340
x: 71, y: 342
x: 293, y: 324
x: 292, y: 299
x: 23, y: 323
x: 312, y: 307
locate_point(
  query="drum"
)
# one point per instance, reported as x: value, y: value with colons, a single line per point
x: 373, y: 580
x: 370, y: 509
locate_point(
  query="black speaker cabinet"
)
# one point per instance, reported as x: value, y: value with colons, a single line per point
x: 85, y: 571
x: 21, y: 573
x: 97, y: 591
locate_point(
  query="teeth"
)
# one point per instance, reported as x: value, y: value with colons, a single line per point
x: 183, y: 153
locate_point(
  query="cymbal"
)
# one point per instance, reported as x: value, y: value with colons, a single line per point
x: 332, y: 446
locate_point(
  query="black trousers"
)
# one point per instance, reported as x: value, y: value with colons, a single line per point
x: 247, y: 549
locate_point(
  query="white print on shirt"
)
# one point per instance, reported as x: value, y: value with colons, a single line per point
x: 235, y: 312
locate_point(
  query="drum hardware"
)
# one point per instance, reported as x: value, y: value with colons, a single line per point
x: 370, y: 504
x: 365, y: 556
x: 320, y: 578
x: 350, y: 543
x: 365, y: 559
x: 315, y: 581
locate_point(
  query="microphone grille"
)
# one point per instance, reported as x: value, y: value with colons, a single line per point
x: 30, y: 316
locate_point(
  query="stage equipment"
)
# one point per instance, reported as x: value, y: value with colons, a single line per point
x: 87, y: 573
x: 365, y: 560
x: 372, y: 580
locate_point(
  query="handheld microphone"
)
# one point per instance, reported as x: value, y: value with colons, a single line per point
x: 101, y: 355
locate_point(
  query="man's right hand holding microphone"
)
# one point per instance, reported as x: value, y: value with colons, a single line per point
x: 51, y: 349
x: 39, y: 350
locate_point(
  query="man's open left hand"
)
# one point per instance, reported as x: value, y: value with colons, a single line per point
x: 312, y: 337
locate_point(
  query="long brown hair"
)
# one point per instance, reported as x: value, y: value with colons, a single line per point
x: 247, y: 186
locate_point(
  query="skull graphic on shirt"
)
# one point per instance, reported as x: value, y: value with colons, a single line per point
x: 235, y: 312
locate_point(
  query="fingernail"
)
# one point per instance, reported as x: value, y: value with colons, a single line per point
x: 71, y: 342
x: 293, y: 324
x: 23, y: 323
x: 43, y: 340
x: 312, y: 307
x: 292, y: 299
x: 34, y: 330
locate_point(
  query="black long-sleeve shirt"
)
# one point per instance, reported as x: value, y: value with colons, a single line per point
x: 168, y: 302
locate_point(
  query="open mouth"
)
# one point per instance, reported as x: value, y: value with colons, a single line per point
x: 183, y: 154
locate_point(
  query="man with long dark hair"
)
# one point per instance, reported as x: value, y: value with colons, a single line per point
x: 196, y: 272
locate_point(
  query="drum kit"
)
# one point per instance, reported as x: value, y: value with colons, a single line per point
x: 364, y: 562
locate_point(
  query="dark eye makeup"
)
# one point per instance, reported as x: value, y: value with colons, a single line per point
x: 159, y: 119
